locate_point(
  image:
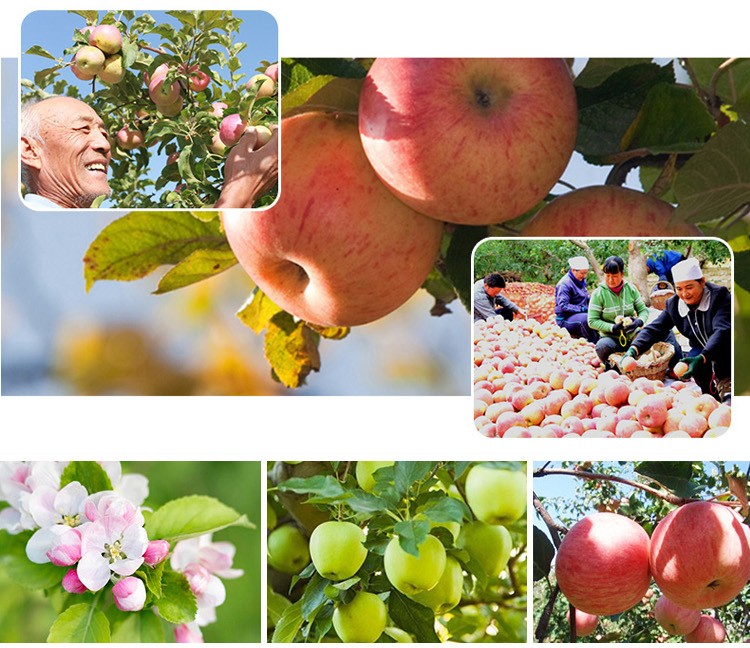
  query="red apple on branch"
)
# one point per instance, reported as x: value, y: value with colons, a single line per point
x: 469, y: 140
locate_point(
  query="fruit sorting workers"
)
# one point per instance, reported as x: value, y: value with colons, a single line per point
x: 611, y: 303
x: 572, y: 300
x: 488, y: 301
x: 701, y: 311
x: 65, y: 153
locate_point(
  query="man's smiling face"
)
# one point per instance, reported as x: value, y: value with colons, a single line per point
x: 74, y: 153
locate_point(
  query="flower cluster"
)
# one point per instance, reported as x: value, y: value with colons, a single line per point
x: 101, y: 537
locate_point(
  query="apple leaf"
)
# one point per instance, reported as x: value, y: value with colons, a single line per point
x: 411, y: 534
x: 291, y: 349
x: 276, y: 605
x: 289, y: 624
x: 362, y: 502
x: 177, y: 603
x: 138, y: 627
x: 258, y: 311
x: 21, y: 570
x: 191, y: 516
x: 675, y: 475
x: 606, y: 111
x: 152, y: 577
x: 416, y: 619
x: 672, y: 119
x: 314, y: 597
x: 733, y: 83
x: 197, y: 266
x: 405, y: 473
x: 446, y: 509
x: 544, y: 552
x: 715, y: 182
x: 134, y: 245
x: 329, y: 332
x: 87, y: 473
x: 598, y: 70
x: 738, y: 487
x: 457, y: 270
x: 38, y: 50
x: 742, y: 269
x: 81, y: 623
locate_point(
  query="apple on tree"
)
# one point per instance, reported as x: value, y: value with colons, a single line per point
x: 411, y: 574
x: 267, y: 85
x: 602, y: 565
x: 339, y: 249
x: 490, y: 545
x: 364, y: 470
x: 675, y: 619
x: 495, y: 495
x: 89, y: 60
x: 337, y: 549
x: 708, y: 630
x: 446, y: 594
x: 112, y: 72
x: 107, y: 38
x: 585, y: 623
x: 288, y: 549
x: 469, y: 140
x: 129, y: 139
x: 362, y: 620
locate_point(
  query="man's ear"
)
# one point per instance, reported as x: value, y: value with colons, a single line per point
x: 31, y: 152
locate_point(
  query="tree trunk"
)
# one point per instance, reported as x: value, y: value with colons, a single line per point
x: 637, y: 270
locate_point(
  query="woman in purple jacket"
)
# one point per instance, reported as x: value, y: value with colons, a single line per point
x: 572, y: 300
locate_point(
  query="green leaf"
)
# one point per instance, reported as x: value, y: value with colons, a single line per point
x: 362, y: 502
x: 544, y: 552
x: 276, y: 605
x: 291, y: 349
x: 80, y: 623
x: 314, y: 596
x: 139, y: 627
x: 129, y: 52
x: 178, y: 603
x: 258, y: 312
x: 31, y: 575
x: 192, y: 516
x: 458, y: 271
x: 152, y: 577
x: 598, y: 70
x: 675, y: 475
x: 411, y: 534
x: 136, y: 244
x: 742, y: 269
x: 198, y: 266
x: 183, y: 164
x: 671, y: 117
x: 38, y: 50
x: 715, y: 182
x: 89, y: 474
x: 733, y: 85
x: 406, y: 473
x: 339, y: 95
x: 289, y: 624
x: 606, y: 111
x: 414, y: 618
x: 446, y: 509
x: 320, y: 486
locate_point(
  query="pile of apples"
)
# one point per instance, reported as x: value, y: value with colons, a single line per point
x: 101, y: 58
x: 532, y: 379
x: 537, y: 299
x: 606, y: 562
x: 433, y: 578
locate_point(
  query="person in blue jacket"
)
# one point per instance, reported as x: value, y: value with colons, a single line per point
x: 661, y: 264
x: 572, y: 300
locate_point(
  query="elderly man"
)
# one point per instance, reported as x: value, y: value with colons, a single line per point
x: 489, y: 302
x: 572, y: 300
x: 701, y: 311
x: 65, y: 154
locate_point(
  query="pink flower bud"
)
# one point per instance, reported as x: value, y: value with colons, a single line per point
x: 71, y: 583
x: 65, y: 555
x: 156, y: 551
x: 198, y: 577
x: 188, y: 633
x: 130, y: 594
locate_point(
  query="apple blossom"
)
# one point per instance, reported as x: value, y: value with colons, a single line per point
x: 188, y: 633
x: 109, y: 545
x: 71, y: 583
x: 156, y: 552
x: 18, y: 479
x: 215, y: 556
x: 130, y: 594
x: 209, y: 592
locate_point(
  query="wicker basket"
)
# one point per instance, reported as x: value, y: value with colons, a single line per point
x: 652, y: 364
x: 662, y: 291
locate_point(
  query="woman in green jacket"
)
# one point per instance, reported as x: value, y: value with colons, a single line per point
x: 616, y: 310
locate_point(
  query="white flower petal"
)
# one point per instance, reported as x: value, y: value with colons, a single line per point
x: 93, y: 570
x: 133, y: 488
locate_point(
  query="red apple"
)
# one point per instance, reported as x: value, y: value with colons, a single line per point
x: 674, y: 619
x: 272, y: 71
x: 338, y: 249
x: 694, y: 424
x: 266, y: 88
x: 680, y: 369
x: 606, y: 210
x: 160, y: 93
x: 107, y: 38
x: 700, y: 555
x: 585, y: 623
x: 629, y: 363
x: 651, y: 411
x: 218, y: 108
x: 232, y: 128
x: 469, y: 140
x: 128, y: 139
x: 720, y: 417
x: 602, y: 564
x: 616, y: 393
x: 708, y: 630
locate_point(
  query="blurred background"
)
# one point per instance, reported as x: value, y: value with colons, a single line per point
x: 26, y: 616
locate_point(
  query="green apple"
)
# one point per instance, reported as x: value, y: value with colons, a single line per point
x: 411, y: 574
x: 364, y: 471
x: 287, y: 549
x: 447, y: 593
x: 495, y: 495
x: 362, y: 620
x: 399, y: 635
x: 488, y: 544
x: 336, y: 549
x: 271, y: 518
x: 112, y: 72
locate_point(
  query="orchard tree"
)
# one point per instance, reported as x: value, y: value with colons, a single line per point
x: 397, y: 551
x: 578, y: 558
x: 162, y: 89
x: 679, y: 126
